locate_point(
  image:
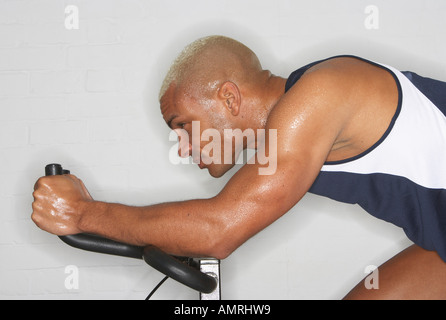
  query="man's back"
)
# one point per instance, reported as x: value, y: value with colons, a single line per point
x: 399, y: 176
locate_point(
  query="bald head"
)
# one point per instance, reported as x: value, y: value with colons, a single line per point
x: 208, y: 62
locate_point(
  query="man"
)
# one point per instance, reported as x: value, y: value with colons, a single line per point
x: 346, y: 128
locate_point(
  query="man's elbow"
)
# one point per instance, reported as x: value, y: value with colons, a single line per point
x: 221, y: 252
x: 226, y: 233
x: 222, y: 246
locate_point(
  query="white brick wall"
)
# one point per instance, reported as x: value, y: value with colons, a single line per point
x: 14, y: 84
x: 88, y: 98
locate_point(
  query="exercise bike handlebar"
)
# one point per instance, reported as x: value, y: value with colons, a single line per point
x: 153, y: 256
x: 97, y: 244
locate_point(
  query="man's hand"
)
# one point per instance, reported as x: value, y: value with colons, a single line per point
x: 59, y: 202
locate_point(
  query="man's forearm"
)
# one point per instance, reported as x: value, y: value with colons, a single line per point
x: 189, y: 228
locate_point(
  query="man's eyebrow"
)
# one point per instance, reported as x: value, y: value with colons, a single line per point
x: 169, y: 122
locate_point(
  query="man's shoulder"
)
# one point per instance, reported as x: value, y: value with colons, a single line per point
x: 337, y: 76
x: 334, y: 68
x: 352, y: 98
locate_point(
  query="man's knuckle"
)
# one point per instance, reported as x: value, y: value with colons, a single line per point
x: 35, y: 217
x: 40, y: 183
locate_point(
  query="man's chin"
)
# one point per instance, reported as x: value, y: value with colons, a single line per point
x: 218, y: 171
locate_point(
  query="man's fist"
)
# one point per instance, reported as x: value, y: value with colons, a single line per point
x: 59, y: 203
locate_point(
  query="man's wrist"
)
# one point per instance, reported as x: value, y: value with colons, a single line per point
x: 90, y: 213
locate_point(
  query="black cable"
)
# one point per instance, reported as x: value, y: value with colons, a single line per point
x: 157, y: 287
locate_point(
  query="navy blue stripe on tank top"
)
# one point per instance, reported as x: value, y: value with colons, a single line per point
x: 393, y: 199
x: 434, y: 90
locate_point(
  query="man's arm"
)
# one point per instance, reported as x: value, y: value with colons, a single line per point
x: 307, y: 121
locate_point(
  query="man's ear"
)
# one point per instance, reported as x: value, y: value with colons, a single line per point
x: 229, y: 93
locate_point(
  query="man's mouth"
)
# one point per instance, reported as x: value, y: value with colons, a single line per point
x: 199, y: 162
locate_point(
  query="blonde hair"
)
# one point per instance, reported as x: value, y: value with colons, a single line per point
x: 191, y: 55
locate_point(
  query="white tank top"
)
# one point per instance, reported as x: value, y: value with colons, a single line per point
x: 402, y: 178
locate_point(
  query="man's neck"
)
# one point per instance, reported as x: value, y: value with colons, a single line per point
x: 268, y: 94
x: 272, y: 91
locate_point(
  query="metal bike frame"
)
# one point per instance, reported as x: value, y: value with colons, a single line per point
x: 211, y: 267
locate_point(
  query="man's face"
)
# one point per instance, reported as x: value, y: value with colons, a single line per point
x: 200, y: 125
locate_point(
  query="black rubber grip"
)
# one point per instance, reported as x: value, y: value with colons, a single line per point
x: 102, y: 245
x: 53, y: 170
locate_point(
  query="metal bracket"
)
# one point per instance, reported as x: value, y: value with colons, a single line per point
x: 212, y: 268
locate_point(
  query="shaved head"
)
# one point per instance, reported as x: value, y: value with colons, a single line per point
x: 206, y: 63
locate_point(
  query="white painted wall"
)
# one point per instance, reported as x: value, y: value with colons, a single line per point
x: 87, y: 98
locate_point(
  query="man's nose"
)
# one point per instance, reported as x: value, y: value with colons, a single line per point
x: 184, y: 148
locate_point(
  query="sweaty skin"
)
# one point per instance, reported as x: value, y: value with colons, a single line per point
x: 337, y: 110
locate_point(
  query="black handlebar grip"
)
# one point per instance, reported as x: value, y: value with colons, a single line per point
x: 94, y: 243
x: 53, y: 170
x: 98, y: 244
